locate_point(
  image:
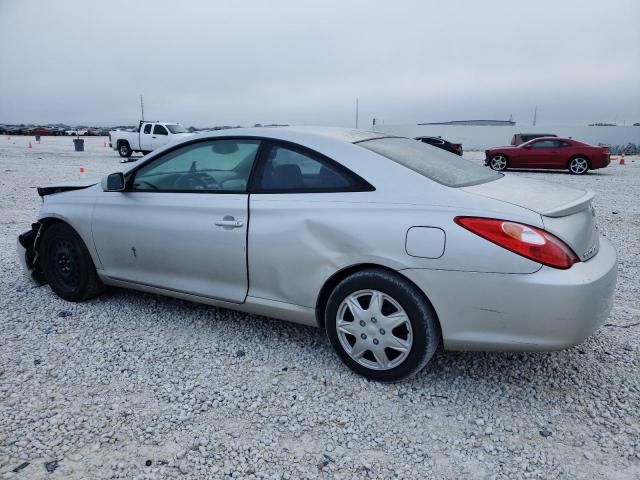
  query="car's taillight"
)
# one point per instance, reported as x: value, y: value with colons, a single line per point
x: 530, y: 242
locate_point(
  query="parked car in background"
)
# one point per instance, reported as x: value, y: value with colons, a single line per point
x: 387, y: 244
x: 442, y: 143
x: 148, y: 137
x: 549, y: 153
x: 58, y: 131
x: 520, y: 138
x: 42, y: 131
x: 77, y: 132
x: 14, y: 130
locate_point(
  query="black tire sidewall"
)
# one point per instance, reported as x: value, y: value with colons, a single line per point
x: 426, y: 332
x: 52, y: 236
x: 129, y: 152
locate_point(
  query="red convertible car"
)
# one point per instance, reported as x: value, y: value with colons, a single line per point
x: 549, y: 153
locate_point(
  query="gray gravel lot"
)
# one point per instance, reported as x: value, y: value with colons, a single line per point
x: 132, y: 385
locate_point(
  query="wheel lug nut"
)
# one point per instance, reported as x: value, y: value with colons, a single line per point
x: 382, y: 332
x: 373, y: 320
x: 375, y: 341
x: 363, y: 336
x: 362, y: 323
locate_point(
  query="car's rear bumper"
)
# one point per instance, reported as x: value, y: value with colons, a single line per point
x: 547, y: 310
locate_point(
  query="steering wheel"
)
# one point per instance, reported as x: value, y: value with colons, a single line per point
x: 191, y: 181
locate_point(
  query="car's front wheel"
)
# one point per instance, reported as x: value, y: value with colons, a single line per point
x: 498, y: 163
x: 67, y: 264
x: 381, y: 325
x: 578, y: 166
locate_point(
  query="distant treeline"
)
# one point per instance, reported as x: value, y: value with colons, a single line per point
x: 628, y: 149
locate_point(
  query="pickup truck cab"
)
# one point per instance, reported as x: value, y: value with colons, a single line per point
x: 148, y: 137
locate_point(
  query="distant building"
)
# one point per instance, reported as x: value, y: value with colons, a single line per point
x: 474, y: 122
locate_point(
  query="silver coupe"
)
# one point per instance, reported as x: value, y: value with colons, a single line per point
x: 390, y: 245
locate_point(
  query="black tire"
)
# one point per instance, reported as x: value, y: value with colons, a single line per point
x: 124, y: 149
x: 67, y: 264
x: 424, y: 323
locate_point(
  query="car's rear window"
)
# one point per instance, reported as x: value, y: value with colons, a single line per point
x: 439, y: 165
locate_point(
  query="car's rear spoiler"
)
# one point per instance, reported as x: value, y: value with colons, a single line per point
x: 44, y: 191
x: 571, y: 207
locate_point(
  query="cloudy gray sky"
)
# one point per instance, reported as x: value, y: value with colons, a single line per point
x: 219, y: 62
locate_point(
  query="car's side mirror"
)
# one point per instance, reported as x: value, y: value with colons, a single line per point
x: 527, y: 147
x: 113, y: 182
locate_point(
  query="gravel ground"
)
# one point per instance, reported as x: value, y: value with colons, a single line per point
x: 132, y: 385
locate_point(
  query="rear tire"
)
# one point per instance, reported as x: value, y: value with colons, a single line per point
x: 124, y: 150
x: 578, y: 166
x: 67, y: 264
x: 394, y: 331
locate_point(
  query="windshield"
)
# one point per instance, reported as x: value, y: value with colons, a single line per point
x: 175, y: 128
x: 439, y: 165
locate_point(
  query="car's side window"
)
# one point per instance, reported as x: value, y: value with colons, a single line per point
x: 147, y: 128
x: 544, y: 144
x: 292, y: 170
x: 159, y: 130
x: 563, y: 144
x: 215, y: 166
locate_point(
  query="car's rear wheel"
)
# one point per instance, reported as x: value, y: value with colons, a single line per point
x: 578, y: 166
x: 124, y: 149
x: 498, y: 163
x: 67, y: 264
x: 381, y: 325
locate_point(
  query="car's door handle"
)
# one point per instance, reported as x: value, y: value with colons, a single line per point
x: 153, y: 137
x: 229, y: 222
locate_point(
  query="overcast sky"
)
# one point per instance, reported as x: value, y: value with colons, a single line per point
x: 208, y: 63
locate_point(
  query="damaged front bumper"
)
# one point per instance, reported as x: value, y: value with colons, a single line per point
x: 27, y: 248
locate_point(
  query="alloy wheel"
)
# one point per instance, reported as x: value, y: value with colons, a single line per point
x: 579, y: 166
x: 374, y: 329
x: 499, y: 162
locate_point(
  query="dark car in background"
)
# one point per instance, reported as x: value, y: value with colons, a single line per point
x: 520, y: 138
x: 40, y: 131
x: 549, y: 153
x: 442, y: 143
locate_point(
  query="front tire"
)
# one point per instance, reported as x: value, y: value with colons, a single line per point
x: 578, y: 166
x: 67, y: 264
x: 381, y: 326
x: 498, y: 163
x: 125, y: 150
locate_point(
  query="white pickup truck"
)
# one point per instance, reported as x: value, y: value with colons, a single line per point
x: 148, y: 137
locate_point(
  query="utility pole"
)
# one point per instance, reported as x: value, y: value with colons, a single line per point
x: 142, y: 106
x: 535, y: 115
x: 356, y: 112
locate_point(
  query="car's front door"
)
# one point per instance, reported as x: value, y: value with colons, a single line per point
x: 181, y: 225
x: 159, y: 136
x: 145, y: 137
x: 538, y: 154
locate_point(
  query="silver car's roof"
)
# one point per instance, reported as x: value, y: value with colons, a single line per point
x: 348, y: 135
